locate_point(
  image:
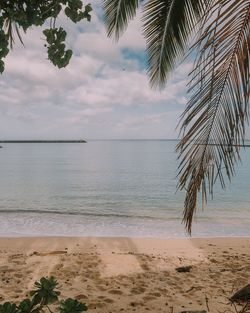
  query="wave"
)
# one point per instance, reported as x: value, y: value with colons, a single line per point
x: 115, y: 215
x: 77, y: 213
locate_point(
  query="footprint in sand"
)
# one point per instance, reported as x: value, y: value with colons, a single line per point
x: 134, y: 304
x: 18, y: 291
x: 101, y: 288
x: 115, y: 292
x: 137, y: 291
x: 82, y: 297
x: 145, y: 267
x: 163, y: 291
x: 155, y: 294
x: 149, y: 298
x: 96, y: 305
x: 58, y: 267
x: 107, y: 300
x: 16, y: 256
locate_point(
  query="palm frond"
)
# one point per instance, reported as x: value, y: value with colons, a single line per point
x: 213, y: 123
x: 9, y: 32
x: 168, y: 25
x: 117, y: 15
x: 10, y: 26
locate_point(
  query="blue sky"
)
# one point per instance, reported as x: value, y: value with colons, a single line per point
x: 103, y: 94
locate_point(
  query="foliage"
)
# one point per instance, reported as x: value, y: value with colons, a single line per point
x: 44, y: 294
x: 166, y: 26
x: 28, y: 306
x: 8, y: 307
x: 214, y: 121
x: 72, y: 306
x: 22, y: 15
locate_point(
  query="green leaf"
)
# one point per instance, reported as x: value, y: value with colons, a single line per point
x: 36, y: 298
x: 217, y: 113
x: 4, y: 50
x: 22, y: 15
x: 72, y: 306
x: 168, y: 26
x: 88, y: 8
x: 25, y: 306
x: 117, y: 15
x: 49, y: 35
x: 74, y: 11
x: 56, y: 47
x: 45, y: 291
x: 68, y: 12
x: 1, y: 66
x: 8, y: 307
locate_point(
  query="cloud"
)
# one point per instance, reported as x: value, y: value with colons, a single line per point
x: 105, y: 86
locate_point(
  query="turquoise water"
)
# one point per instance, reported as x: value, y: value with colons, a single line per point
x: 109, y: 188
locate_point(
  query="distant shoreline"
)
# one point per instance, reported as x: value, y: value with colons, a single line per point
x: 43, y: 141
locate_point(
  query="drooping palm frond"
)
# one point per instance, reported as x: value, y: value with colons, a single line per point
x: 168, y: 25
x: 117, y: 15
x: 214, y: 121
x: 9, y: 32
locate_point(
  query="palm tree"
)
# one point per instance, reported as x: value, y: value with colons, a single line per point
x: 213, y: 123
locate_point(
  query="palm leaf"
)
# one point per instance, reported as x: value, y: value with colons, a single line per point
x: 9, y: 27
x: 9, y: 32
x: 117, y: 15
x: 213, y: 123
x: 168, y: 25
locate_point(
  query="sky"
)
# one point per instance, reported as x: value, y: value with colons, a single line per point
x: 103, y: 93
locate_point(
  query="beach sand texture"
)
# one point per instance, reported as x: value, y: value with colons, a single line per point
x: 129, y: 274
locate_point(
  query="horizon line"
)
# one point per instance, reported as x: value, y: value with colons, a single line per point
x: 44, y: 141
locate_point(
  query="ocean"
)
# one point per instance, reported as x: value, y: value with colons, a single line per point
x: 110, y: 188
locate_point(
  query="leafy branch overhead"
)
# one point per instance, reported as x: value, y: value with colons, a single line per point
x: 22, y: 15
x: 213, y: 124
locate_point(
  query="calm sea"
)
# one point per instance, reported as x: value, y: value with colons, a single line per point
x: 110, y: 188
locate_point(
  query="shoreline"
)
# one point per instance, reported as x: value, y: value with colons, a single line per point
x: 30, y: 224
x: 187, y: 237
x: 115, y: 274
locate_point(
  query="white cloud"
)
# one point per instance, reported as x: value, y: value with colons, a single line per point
x: 99, y: 95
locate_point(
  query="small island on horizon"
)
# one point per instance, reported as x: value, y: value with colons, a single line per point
x: 44, y: 141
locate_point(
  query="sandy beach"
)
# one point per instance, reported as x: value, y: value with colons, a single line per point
x: 129, y: 274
